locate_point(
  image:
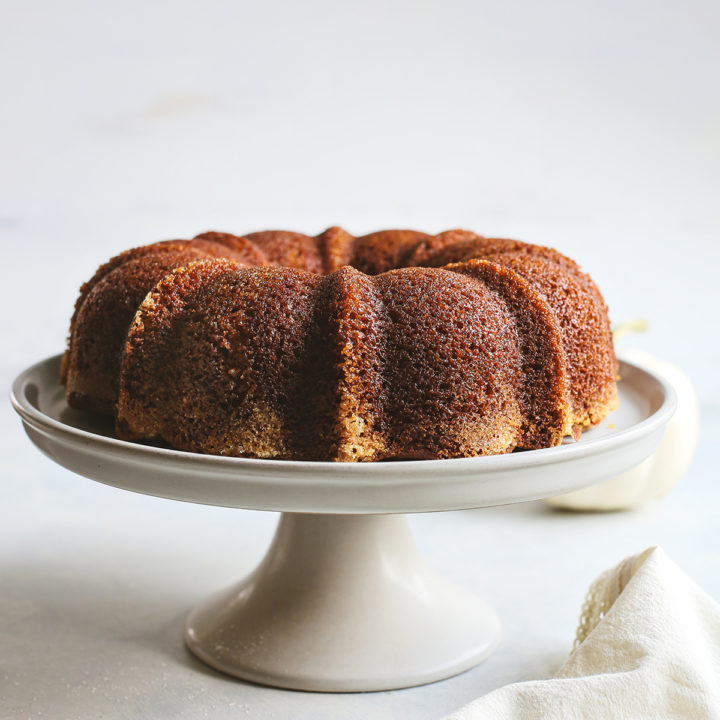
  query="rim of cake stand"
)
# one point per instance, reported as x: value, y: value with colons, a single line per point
x: 401, y: 477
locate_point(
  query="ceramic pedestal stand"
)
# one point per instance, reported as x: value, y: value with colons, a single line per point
x: 343, y: 601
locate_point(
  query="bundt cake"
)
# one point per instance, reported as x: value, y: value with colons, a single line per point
x: 393, y: 345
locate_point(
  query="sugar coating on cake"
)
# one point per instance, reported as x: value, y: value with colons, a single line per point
x: 393, y: 345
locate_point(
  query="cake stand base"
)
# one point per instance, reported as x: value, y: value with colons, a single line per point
x: 343, y: 603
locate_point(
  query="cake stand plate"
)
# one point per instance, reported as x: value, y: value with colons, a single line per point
x: 343, y: 600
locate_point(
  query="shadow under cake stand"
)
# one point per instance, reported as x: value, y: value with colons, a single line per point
x: 343, y: 600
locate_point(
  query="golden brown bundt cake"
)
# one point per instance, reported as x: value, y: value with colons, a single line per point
x: 392, y: 345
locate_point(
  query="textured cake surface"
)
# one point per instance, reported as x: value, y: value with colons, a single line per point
x: 396, y: 344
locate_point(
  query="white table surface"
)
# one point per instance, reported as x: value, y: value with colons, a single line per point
x: 590, y: 129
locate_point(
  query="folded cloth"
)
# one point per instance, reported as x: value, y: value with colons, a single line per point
x: 648, y: 646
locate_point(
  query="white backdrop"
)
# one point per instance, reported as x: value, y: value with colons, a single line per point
x: 591, y: 127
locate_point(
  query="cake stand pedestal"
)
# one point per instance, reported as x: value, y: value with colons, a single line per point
x: 343, y: 601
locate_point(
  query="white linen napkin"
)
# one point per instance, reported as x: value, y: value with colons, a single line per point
x: 648, y: 646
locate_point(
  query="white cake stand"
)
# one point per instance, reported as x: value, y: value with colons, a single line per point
x: 343, y: 601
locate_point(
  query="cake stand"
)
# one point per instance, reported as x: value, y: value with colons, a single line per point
x: 343, y: 601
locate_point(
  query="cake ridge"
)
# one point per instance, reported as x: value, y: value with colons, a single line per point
x: 540, y: 347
